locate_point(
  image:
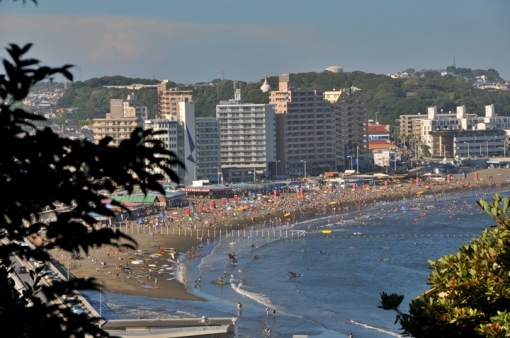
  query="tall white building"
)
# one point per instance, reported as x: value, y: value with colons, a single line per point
x: 208, y: 148
x: 173, y: 138
x: 248, y: 138
x: 179, y: 138
x: 187, y: 118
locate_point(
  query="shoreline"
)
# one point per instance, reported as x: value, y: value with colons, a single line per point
x: 160, y: 286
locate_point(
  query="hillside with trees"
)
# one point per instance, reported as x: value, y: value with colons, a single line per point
x: 385, y: 95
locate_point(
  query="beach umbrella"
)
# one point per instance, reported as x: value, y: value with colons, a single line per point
x: 162, y: 214
x: 140, y: 221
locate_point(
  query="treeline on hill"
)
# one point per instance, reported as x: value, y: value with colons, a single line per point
x: 91, y: 97
x: 385, y: 95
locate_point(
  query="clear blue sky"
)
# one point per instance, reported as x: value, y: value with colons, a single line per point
x: 190, y: 40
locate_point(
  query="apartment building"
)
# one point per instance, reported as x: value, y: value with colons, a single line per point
x: 180, y: 138
x: 351, y: 127
x: 173, y: 140
x: 461, y: 121
x: 132, y: 103
x: 118, y: 124
x: 208, y: 148
x: 168, y: 100
x: 248, y: 140
x: 305, y: 130
x: 406, y: 122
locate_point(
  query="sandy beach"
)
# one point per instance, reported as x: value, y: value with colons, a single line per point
x: 153, y: 269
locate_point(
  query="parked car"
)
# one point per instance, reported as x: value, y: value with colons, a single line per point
x: 22, y: 269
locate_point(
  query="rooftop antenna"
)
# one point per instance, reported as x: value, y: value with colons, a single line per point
x: 453, y: 61
x: 222, y: 75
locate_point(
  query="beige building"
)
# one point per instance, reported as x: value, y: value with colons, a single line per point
x: 119, y: 128
x: 351, y: 115
x: 406, y: 123
x: 168, y: 101
x: 305, y: 130
x: 332, y: 95
x: 122, y: 119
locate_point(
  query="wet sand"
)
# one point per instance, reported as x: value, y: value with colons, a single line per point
x: 142, y: 279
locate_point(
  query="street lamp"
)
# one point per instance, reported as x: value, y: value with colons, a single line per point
x: 196, y: 176
x: 304, y: 167
x: 444, y: 152
x: 276, y: 167
x: 468, y: 148
x: 357, y: 160
x: 487, y: 147
x: 480, y: 150
x: 350, y: 161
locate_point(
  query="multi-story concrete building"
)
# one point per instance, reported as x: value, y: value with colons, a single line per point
x: 305, y: 130
x: 465, y: 143
x: 168, y: 100
x: 470, y: 143
x: 140, y: 110
x: 351, y: 128
x: 118, y: 124
x: 461, y: 121
x: 378, y: 131
x: 248, y: 139
x: 173, y: 138
x: 208, y: 148
x: 180, y: 138
x: 119, y: 128
x: 407, y: 122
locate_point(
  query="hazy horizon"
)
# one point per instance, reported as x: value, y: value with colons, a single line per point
x: 195, y: 41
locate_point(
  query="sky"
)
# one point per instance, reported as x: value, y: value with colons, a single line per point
x: 190, y: 41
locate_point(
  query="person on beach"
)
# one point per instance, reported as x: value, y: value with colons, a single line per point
x: 274, y: 313
x: 267, y: 311
x: 239, y: 307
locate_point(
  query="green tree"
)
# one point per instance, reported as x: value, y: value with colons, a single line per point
x: 470, y: 293
x: 38, y: 171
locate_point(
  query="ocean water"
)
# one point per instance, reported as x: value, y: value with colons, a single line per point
x: 337, y: 293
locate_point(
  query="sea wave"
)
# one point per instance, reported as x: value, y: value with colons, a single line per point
x: 258, y: 297
x: 377, y: 329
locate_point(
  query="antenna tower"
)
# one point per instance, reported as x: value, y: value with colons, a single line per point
x: 453, y: 61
